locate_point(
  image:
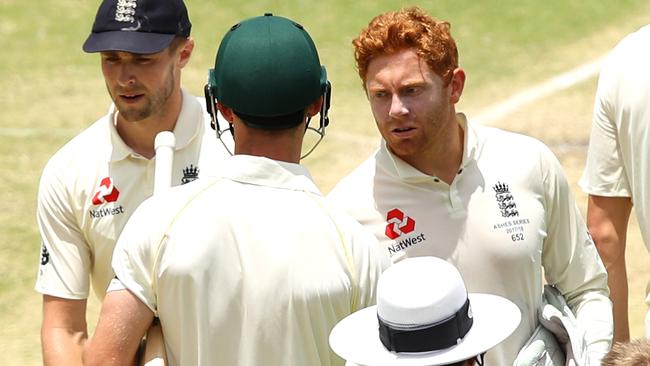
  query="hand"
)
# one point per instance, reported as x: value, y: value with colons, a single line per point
x: 533, y: 355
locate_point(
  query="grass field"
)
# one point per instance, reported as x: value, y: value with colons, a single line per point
x: 52, y: 90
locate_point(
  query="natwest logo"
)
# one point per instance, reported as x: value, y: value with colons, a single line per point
x: 106, y: 192
x: 398, y: 224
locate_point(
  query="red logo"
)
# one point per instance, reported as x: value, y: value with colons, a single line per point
x: 398, y: 224
x: 106, y: 192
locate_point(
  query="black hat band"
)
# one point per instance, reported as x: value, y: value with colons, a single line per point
x: 434, y: 337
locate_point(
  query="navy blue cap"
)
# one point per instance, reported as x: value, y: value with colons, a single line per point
x: 138, y: 26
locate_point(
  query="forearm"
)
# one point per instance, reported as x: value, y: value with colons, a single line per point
x: 95, y: 354
x: 122, y: 323
x: 64, y: 330
x: 607, y: 220
x: 62, y: 346
x: 618, y: 288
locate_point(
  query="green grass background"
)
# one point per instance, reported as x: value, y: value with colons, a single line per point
x: 50, y: 90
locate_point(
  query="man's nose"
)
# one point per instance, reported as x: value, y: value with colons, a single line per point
x: 126, y: 76
x: 397, y: 107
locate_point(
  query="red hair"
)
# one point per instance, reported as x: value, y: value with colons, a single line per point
x: 410, y: 28
x: 633, y: 353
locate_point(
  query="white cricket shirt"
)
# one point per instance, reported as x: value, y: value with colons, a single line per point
x: 508, y: 214
x: 620, y: 136
x: 252, y: 268
x: 91, y: 186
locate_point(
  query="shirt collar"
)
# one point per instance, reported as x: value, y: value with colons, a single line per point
x: 403, y: 170
x: 188, y: 125
x: 267, y: 172
x: 470, y: 145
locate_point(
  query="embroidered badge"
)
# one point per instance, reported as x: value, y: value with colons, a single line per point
x: 45, y: 255
x: 125, y: 11
x: 190, y: 173
x: 505, y: 200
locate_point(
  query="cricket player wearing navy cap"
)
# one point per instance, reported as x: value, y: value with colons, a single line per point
x: 252, y: 267
x: 93, y: 184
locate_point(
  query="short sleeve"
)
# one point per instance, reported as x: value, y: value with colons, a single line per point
x: 604, y: 173
x: 135, y: 254
x: 65, y: 257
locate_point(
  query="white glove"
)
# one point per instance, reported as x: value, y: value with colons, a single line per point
x: 541, y: 349
x: 556, y: 316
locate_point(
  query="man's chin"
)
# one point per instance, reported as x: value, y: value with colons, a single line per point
x: 130, y: 114
x: 403, y: 150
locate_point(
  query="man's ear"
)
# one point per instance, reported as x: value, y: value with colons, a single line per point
x: 315, y: 107
x: 185, y: 52
x: 227, y: 112
x: 457, y: 84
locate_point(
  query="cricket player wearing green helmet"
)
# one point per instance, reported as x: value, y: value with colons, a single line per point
x: 251, y: 267
x: 272, y: 94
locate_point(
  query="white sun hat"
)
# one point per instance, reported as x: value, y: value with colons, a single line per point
x: 424, y: 316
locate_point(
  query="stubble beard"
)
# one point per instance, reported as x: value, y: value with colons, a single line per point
x: 424, y: 142
x: 154, y: 102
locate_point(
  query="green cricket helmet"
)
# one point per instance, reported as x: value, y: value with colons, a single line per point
x: 268, y: 71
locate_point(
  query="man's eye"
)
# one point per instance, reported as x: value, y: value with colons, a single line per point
x: 412, y: 90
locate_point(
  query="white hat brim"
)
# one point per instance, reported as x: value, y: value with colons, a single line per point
x: 356, y: 338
